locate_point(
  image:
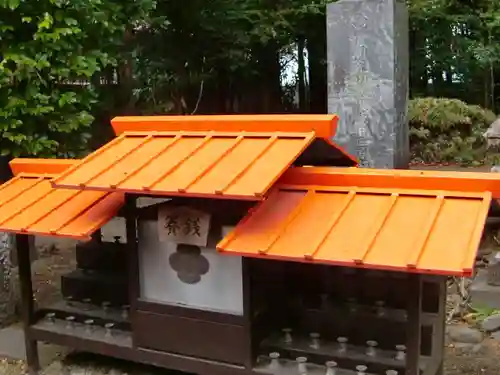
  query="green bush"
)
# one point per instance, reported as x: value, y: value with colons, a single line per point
x: 51, y: 51
x: 448, y: 131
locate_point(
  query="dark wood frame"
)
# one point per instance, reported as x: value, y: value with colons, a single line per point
x: 414, y: 329
x: 27, y: 303
x: 128, y: 350
x: 436, y: 367
x: 424, y: 301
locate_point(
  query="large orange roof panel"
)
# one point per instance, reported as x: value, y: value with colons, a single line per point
x: 30, y: 205
x: 434, y: 232
x: 234, y: 165
x: 323, y: 125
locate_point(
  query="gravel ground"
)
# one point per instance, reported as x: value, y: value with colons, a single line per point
x: 483, y: 362
x: 85, y: 364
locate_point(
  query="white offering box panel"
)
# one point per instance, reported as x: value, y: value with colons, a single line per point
x: 219, y: 289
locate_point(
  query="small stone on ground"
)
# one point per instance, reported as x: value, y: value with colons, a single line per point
x: 495, y: 336
x: 464, y: 334
x: 491, y: 323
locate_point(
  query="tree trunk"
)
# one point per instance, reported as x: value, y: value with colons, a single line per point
x: 418, y: 61
x: 318, y: 80
x: 125, y: 80
x: 270, y: 75
x: 301, y: 74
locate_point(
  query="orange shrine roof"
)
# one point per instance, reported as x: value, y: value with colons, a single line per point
x: 30, y: 205
x: 233, y: 157
x: 435, y: 232
x: 202, y: 164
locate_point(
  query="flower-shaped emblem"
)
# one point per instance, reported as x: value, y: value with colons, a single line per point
x: 189, y: 263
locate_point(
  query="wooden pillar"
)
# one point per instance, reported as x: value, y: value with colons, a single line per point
x: 248, y: 313
x: 27, y: 302
x: 436, y: 363
x: 439, y: 329
x: 97, y: 236
x: 132, y: 258
x: 414, y: 329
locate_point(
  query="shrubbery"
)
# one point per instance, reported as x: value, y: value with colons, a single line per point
x: 448, y: 131
x: 51, y: 50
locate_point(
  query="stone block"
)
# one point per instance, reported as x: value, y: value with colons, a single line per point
x: 367, y: 45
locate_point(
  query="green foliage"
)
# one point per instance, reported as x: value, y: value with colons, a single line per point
x: 51, y: 52
x: 444, y: 115
x: 480, y: 313
x: 454, y: 49
x: 448, y: 130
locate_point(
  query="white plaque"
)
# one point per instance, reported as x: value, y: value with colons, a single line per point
x: 183, y: 225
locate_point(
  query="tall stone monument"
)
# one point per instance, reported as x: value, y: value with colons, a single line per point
x: 368, y: 79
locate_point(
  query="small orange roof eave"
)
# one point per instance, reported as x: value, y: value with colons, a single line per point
x: 94, y: 217
x: 473, y: 182
x: 29, y: 205
x: 40, y: 166
x: 324, y: 126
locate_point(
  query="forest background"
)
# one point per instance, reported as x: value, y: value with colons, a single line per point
x: 68, y: 66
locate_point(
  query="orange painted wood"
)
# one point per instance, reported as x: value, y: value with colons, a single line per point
x: 324, y: 126
x: 40, y: 166
x: 30, y: 205
x: 232, y: 165
x: 432, y: 232
x: 394, y: 179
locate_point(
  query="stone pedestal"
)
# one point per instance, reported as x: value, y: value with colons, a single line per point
x: 368, y: 79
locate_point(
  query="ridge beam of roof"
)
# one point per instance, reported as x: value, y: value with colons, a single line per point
x: 40, y: 166
x: 472, y: 182
x: 324, y: 126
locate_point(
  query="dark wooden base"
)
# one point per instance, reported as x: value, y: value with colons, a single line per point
x: 120, y: 346
x: 328, y: 351
x: 203, y: 339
